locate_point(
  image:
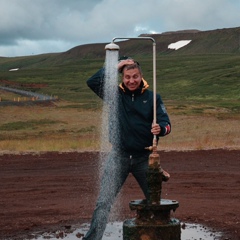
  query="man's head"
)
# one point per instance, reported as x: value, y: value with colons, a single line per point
x: 131, y: 73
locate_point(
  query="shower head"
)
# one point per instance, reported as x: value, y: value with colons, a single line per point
x: 112, y: 46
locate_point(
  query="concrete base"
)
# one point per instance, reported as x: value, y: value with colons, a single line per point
x: 170, y: 231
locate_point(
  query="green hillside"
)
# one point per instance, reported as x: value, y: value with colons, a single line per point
x: 206, y: 71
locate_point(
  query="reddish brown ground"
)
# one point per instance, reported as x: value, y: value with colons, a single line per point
x: 54, y: 190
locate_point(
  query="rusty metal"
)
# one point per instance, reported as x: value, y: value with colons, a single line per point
x: 153, y: 219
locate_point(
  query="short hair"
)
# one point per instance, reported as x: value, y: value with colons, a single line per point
x: 131, y: 66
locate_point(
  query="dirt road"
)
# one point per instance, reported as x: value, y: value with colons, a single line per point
x: 57, y: 190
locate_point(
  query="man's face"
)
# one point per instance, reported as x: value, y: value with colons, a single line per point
x: 132, y: 78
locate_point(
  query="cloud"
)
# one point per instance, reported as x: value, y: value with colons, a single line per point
x: 202, y: 15
x: 33, y: 47
x: 39, y: 26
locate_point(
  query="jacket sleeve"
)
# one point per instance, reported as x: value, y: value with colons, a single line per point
x: 162, y: 118
x: 96, y: 83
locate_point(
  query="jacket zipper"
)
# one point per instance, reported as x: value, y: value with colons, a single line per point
x: 133, y: 97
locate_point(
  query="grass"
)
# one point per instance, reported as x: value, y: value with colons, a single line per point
x: 48, y: 128
x: 22, y: 125
x: 202, y: 133
x: 203, y: 78
x: 201, y: 93
x: 65, y: 127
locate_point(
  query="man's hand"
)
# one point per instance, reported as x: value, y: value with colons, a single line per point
x: 123, y: 63
x: 156, y: 129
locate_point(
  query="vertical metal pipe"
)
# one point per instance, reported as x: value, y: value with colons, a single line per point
x: 154, y: 85
x: 154, y: 75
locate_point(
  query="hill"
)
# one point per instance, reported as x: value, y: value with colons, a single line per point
x: 204, y: 71
x: 220, y: 41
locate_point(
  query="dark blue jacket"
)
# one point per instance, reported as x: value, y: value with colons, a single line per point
x: 135, y: 118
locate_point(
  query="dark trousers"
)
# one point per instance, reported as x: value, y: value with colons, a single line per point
x: 116, y: 170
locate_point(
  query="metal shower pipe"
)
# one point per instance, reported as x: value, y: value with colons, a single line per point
x: 154, y: 72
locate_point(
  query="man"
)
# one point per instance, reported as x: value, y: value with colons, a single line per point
x: 135, y: 133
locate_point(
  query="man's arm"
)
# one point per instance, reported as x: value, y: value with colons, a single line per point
x: 96, y: 83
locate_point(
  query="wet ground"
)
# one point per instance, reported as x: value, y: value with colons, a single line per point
x: 114, y: 231
x: 57, y: 191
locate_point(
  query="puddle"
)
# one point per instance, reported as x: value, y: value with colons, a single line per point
x: 114, y: 232
x: 198, y: 232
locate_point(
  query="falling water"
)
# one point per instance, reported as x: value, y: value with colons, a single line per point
x: 109, y: 109
x: 109, y: 112
x: 109, y: 127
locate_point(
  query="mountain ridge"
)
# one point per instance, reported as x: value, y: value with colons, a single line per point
x: 217, y: 41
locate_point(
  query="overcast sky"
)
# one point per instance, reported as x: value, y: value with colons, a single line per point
x: 42, y: 26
